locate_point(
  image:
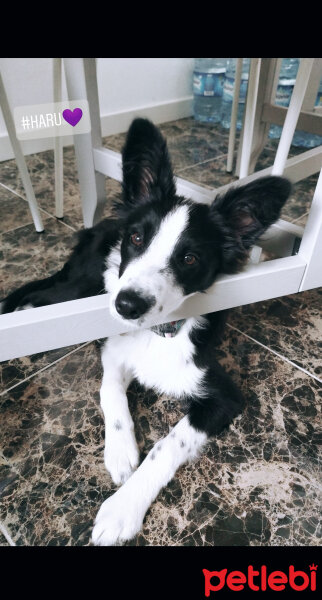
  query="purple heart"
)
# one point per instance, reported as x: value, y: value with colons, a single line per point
x: 73, y: 116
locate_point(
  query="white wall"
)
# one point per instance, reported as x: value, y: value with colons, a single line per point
x: 159, y: 88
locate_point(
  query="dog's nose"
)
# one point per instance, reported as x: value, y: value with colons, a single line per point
x: 131, y: 306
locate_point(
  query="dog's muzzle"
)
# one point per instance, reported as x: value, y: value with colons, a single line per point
x: 132, y: 306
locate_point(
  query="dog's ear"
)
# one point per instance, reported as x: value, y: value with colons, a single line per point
x: 146, y: 165
x: 244, y: 213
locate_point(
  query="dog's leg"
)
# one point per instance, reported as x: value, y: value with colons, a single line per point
x: 121, y: 453
x: 121, y: 516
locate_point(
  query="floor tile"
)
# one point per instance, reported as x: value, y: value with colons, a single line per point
x: 13, y: 371
x: 32, y: 255
x: 14, y: 212
x: 213, y: 133
x: 256, y: 484
x: 299, y: 202
x: 211, y: 174
x: 41, y: 170
x: 25, y: 256
x: 73, y: 215
x: 114, y: 142
x: 290, y: 325
x: 189, y: 150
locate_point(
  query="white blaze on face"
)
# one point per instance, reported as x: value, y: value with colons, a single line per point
x: 146, y: 274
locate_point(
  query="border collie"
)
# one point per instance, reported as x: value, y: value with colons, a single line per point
x: 158, y: 250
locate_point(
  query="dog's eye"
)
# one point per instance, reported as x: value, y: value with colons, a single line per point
x: 136, y: 239
x: 190, y: 259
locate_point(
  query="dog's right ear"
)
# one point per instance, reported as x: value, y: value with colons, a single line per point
x: 244, y: 213
x: 147, y: 170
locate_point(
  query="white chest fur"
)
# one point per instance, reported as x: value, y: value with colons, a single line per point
x: 164, y: 364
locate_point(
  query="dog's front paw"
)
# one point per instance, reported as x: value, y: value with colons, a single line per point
x: 117, y: 521
x: 121, y: 455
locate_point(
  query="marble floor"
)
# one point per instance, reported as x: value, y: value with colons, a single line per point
x: 257, y: 484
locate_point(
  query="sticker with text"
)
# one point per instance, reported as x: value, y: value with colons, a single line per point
x: 52, y: 119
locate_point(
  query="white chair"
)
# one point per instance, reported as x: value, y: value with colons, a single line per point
x: 49, y: 327
x: 261, y: 111
x: 94, y: 160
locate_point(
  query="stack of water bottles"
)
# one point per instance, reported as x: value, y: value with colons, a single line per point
x: 208, y: 81
x: 213, y: 88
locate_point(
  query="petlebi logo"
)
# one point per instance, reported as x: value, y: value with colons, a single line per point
x: 52, y: 119
x: 258, y: 579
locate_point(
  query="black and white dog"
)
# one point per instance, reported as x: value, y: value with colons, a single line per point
x: 160, y: 249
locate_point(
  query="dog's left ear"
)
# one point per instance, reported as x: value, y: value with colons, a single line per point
x: 244, y: 213
x: 147, y: 169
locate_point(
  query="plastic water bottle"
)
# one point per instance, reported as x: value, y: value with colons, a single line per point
x: 284, y: 90
x: 208, y: 81
x: 228, y: 92
x: 304, y: 138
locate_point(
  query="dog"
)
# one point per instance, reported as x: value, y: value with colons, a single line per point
x: 158, y: 249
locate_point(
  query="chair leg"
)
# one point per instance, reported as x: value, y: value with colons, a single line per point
x: 92, y: 184
x: 96, y: 132
x: 248, y: 133
x: 20, y: 159
x: 292, y: 115
x: 311, y: 245
x: 58, y: 146
x: 234, y: 113
x: 266, y: 91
